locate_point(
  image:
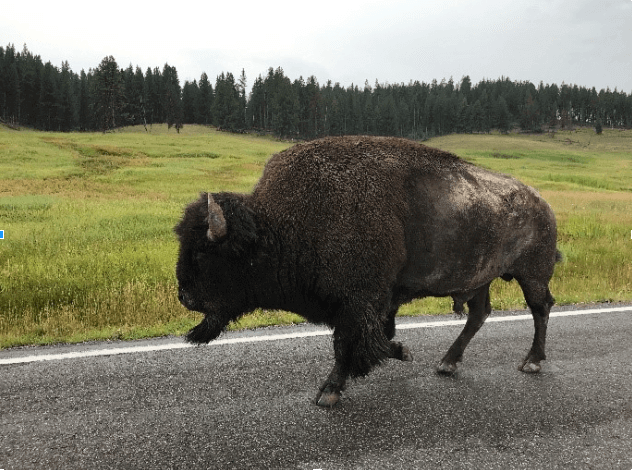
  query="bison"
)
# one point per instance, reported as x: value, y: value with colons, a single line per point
x: 342, y: 231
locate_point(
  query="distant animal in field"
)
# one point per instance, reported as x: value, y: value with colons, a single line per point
x: 343, y: 231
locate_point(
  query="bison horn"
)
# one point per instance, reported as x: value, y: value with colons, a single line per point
x: 216, y: 221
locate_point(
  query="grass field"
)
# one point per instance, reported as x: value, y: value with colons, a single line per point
x: 89, y: 251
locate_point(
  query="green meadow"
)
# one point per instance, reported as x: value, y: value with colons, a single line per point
x: 89, y: 253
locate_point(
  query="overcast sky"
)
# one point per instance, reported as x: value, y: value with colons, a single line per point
x: 581, y: 42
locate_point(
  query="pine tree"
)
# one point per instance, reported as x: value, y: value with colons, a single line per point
x: 530, y: 118
x: 140, y: 95
x: 172, y: 98
x: 83, y: 108
x: 134, y: 85
x: 30, y: 69
x: 314, y: 107
x: 67, y: 110
x: 282, y: 103
x: 47, y: 99
x: 242, y: 84
x: 9, y: 85
x: 285, y: 105
x: 108, y: 94
x: 477, y: 118
x: 205, y: 100
x: 227, y: 111
x: 11, y: 93
x: 190, y: 100
x: 598, y: 127
x: 2, y: 86
x: 256, y: 110
x: 153, y: 90
x: 503, y: 121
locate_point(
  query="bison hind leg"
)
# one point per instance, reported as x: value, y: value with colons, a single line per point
x: 397, y: 349
x: 400, y: 352
x: 479, y: 309
x: 459, y: 300
x: 540, y: 301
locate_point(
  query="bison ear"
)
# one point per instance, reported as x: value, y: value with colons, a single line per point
x: 216, y: 221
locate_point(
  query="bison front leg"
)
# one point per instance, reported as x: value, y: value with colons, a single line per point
x: 331, y: 389
x: 479, y: 309
x: 359, y: 344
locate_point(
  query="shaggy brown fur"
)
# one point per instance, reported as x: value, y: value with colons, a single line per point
x: 344, y: 230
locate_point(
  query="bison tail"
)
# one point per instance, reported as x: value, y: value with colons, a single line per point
x: 558, y: 256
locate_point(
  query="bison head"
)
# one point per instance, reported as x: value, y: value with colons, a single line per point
x: 217, y: 237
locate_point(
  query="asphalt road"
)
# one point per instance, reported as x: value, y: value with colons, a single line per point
x: 249, y: 404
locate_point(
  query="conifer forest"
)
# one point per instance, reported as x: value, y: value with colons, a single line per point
x: 45, y: 97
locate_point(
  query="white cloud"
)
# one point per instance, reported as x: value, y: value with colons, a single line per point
x: 579, y: 42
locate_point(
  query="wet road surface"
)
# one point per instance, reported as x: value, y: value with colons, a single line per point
x: 250, y: 404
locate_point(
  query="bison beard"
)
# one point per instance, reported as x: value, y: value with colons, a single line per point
x: 345, y: 230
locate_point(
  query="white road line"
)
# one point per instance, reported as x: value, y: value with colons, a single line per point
x: 568, y: 313
x: 254, y: 339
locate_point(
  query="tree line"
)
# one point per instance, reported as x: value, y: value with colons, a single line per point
x: 42, y: 96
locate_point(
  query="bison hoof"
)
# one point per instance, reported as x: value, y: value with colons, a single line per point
x: 328, y: 395
x: 406, y: 354
x: 446, y: 368
x: 530, y: 367
x: 327, y: 399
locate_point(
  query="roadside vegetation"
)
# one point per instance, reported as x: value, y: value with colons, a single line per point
x: 89, y: 251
